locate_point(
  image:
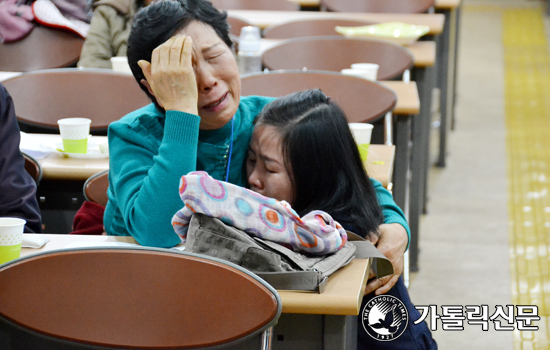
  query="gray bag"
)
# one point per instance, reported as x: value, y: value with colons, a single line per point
x: 279, y: 266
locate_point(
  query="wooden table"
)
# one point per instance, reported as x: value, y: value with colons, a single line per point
x: 264, y: 19
x: 334, y: 310
x: 56, y: 167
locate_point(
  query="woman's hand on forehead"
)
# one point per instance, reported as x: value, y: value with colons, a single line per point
x: 170, y: 75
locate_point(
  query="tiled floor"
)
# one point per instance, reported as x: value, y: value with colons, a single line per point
x: 527, y: 100
x: 485, y: 239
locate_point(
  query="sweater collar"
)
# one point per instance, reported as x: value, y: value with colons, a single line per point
x: 217, y: 136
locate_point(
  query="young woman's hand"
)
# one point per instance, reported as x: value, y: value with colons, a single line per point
x: 392, y: 243
x: 170, y: 75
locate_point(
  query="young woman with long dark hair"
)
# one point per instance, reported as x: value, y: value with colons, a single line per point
x: 302, y: 151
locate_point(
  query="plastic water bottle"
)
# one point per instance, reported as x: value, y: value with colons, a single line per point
x: 249, y: 57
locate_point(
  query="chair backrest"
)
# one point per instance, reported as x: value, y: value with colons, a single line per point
x: 236, y: 24
x: 378, y: 6
x: 269, y: 5
x: 334, y: 53
x: 95, y: 188
x: 310, y: 27
x: 43, y: 97
x: 362, y: 100
x: 43, y: 48
x: 139, y: 298
x: 33, y: 168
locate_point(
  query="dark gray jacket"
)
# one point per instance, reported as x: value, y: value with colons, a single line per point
x: 17, y: 187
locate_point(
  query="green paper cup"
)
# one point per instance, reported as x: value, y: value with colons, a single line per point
x: 362, y: 133
x: 74, y: 133
x: 75, y: 146
x: 11, y: 236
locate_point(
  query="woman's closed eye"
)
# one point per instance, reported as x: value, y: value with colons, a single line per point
x: 251, y: 159
x: 212, y: 57
x: 271, y: 170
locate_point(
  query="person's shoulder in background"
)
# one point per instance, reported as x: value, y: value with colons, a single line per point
x: 16, y: 184
x: 108, y: 35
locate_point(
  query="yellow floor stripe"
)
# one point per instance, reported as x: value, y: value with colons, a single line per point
x: 527, y: 106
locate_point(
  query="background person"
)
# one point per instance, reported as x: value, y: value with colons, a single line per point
x: 109, y: 30
x: 17, y: 187
x: 180, y: 54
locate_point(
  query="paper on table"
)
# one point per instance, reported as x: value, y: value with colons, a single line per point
x: 33, y: 147
x: 34, y: 241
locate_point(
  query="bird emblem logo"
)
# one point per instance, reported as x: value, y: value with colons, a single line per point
x: 385, y: 317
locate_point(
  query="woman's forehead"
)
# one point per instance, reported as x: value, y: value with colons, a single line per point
x: 268, y: 138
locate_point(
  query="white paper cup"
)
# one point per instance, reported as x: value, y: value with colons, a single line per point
x: 120, y: 64
x: 363, y: 70
x: 362, y: 134
x: 74, y: 133
x: 11, y: 236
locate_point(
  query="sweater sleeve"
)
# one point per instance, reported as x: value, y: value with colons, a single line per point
x: 97, y: 49
x: 144, y: 177
x: 392, y: 213
x: 17, y: 187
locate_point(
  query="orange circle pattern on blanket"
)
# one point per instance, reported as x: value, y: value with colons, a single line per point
x: 272, y: 218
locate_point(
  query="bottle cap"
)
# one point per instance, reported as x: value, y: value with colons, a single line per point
x: 249, y: 40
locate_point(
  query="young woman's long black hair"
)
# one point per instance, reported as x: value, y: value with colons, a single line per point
x: 321, y: 154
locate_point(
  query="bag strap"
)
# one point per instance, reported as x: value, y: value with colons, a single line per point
x: 295, y: 280
x: 365, y: 249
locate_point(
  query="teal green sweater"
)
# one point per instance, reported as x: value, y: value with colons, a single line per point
x: 150, y: 151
